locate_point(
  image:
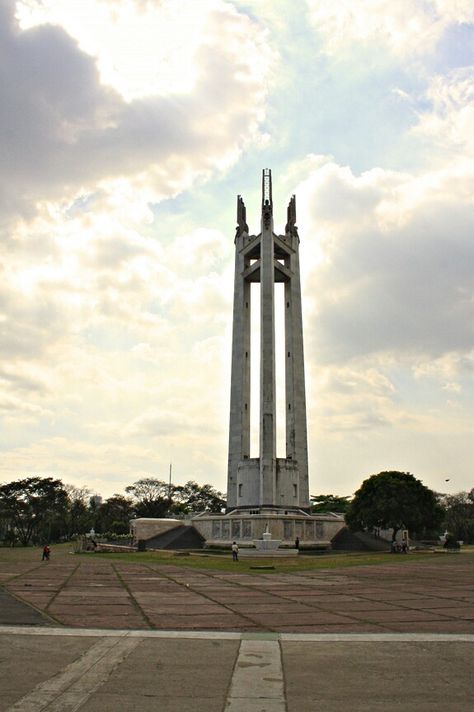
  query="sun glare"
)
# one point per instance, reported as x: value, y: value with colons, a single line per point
x: 141, y: 50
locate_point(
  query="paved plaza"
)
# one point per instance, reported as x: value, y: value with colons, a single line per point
x: 90, y: 634
x: 86, y: 592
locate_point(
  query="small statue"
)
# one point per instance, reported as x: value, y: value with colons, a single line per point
x: 291, y: 228
x: 241, y: 217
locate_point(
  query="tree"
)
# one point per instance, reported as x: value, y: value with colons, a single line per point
x: 323, y: 503
x: 394, y: 500
x: 459, y: 515
x: 79, y: 516
x: 7, y: 534
x: 151, y: 497
x: 33, y: 507
x: 114, y: 515
x: 193, y: 497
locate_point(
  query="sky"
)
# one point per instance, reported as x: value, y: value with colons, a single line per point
x: 127, y: 129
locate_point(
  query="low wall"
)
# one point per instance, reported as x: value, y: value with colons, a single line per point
x: 148, y: 527
x: 116, y: 548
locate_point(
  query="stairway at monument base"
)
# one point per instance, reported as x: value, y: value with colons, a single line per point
x: 183, y: 537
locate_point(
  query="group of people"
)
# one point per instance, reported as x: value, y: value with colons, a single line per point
x: 399, y: 547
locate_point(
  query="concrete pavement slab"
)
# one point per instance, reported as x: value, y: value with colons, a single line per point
x: 396, y: 615
x: 118, y: 623
x: 27, y: 661
x: 196, y: 622
x: 131, y: 702
x: 267, y: 620
x: 106, y: 671
x: 432, y: 677
x: 170, y: 675
x: 447, y: 626
x: 323, y: 629
x: 258, y: 681
x: 13, y: 609
x: 456, y: 612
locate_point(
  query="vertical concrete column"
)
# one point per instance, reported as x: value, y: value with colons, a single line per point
x: 267, y: 351
x: 289, y: 371
x: 296, y: 429
x: 239, y: 425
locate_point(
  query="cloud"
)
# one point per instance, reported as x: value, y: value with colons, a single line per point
x: 397, y: 270
x: 24, y: 381
x: 86, y: 274
x: 406, y: 28
x: 156, y: 423
x: 339, y: 407
x: 28, y: 326
x: 63, y: 132
x: 20, y: 410
x: 146, y: 48
x: 448, y: 121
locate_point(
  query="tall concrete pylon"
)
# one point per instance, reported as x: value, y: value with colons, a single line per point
x: 267, y: 483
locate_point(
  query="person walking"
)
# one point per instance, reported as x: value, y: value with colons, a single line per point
x: 46, y: 553
x: 235, y: 551
x: 297, y: 542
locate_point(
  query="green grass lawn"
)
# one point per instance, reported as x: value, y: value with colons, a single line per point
x: 24, y: 554
x: 223, y: 562
x: 219, y: 562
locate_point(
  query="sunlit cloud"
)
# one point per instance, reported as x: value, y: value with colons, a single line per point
x: 407, y: 28
x: 139, y: 50
x: 82, y: 139
x: 448, y: 125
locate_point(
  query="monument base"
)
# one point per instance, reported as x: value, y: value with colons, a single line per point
x: 314, y: 531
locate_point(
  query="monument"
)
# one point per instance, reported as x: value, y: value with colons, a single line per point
x: 267, y: 482
x: 267, y: 493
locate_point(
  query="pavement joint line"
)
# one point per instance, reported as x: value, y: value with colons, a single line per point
x: 221, y: 578
x: 233, y: 635
x: 310, y: 606
x: 314, y: 605
x: 61, y: 587
x: 67, y: 691
x: 209, y: 598
x: 437, y: 611
x: 133, y: 600
x: 400, y: 603
x: 257, y: 678
x: 22, y: 573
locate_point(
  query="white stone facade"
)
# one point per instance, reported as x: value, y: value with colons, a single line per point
x: 313, y: 531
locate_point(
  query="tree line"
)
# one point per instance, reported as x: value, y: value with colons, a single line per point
x: 37, y: 510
